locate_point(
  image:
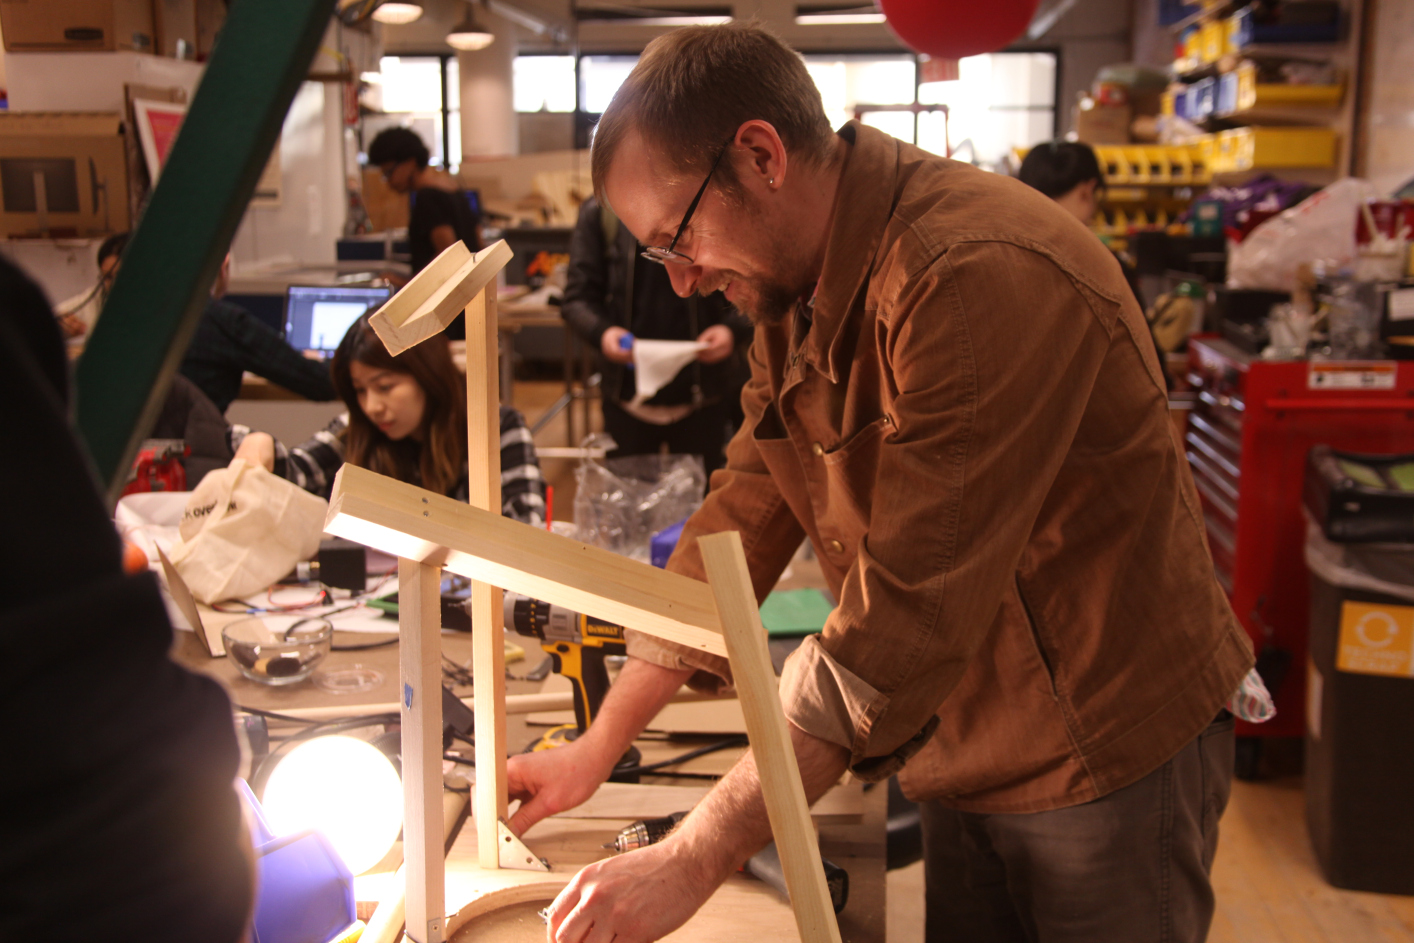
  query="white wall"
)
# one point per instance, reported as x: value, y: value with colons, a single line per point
x: 1389, y: 120
x: 310, y: 215
x: 89, y: 81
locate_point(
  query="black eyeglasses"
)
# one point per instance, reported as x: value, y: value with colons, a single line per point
x: 665, y: 254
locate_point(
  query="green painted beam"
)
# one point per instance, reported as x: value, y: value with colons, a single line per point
x: 264, y: 52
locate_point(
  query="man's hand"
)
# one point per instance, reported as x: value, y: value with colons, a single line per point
x: 634, y: 898
x: 551, y: 781
x: 554, y: 780
x: 719, y: 341
x: 258, y: 448
x: 609, y: 345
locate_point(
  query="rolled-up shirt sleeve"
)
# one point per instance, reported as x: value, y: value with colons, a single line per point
x: 991, y: 353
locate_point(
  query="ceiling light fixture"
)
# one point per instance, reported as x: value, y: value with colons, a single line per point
x: 469, y: 35
x: 656, y: 16
x: 397, y: 14
x: 837, y: 16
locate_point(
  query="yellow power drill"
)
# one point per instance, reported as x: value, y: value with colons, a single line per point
x: 578, y: 644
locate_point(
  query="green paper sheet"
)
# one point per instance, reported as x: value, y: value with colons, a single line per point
x: 795, y: 612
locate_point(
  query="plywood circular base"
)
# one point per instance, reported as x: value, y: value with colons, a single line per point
x: 507, y: 915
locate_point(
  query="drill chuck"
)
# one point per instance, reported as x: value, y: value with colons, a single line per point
x: 646, y: 832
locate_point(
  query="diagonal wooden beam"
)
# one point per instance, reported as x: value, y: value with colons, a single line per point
x: 410, y: 522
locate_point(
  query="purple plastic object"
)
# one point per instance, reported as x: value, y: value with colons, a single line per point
x: 304, y: 892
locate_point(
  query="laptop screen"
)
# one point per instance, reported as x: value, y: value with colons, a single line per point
x: 318, y: 317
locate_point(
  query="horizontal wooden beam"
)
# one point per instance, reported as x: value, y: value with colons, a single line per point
x: 415, y: 524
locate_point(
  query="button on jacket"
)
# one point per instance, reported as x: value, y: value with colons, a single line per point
x: 1028, y: 614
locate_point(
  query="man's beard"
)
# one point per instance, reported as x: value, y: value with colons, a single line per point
x: 767, y: 302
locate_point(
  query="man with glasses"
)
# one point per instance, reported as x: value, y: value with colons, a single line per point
x: 954, y: 397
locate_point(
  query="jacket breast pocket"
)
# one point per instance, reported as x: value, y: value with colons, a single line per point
x: 852, y: 471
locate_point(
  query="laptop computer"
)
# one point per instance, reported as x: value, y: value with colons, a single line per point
x: 318, y: 316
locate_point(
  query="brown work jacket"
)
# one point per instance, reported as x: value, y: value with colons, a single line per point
x: 970, y: 425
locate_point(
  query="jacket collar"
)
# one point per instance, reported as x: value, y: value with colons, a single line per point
x: 862, y: 211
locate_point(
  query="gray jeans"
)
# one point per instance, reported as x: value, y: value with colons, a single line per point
x: 1130, y: 867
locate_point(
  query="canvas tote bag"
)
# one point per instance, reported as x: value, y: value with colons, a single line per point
x: 243, y: 529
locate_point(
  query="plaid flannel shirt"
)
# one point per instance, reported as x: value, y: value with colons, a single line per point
x: 313, y: 464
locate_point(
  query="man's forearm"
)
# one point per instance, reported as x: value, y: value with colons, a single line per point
x: 637, y: 695
x: 730, y: 824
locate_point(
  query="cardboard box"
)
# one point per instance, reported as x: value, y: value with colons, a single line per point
x: 175, y: 26
x: 62, y: 175
x: 66, y: 25
x: 1103, y: 124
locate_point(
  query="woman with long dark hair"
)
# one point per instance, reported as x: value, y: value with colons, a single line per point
x: 406, y: 419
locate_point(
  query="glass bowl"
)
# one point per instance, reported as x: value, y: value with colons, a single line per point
x: 277, y: 649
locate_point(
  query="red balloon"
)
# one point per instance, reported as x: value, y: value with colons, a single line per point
x: 952, y: 29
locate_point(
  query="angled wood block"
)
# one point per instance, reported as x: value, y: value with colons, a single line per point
x: 437, y: 294
x: 415, y: 524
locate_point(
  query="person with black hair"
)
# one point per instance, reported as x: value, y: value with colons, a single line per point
x: 229, y: 341
x: 439, y: 215
x: 1067, y: 172
x: 78, y: 314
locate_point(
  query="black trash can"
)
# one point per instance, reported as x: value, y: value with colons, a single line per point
x: 1360, y: 709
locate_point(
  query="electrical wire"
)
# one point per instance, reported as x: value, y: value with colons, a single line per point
x: 365, y: 646
x: 739, y: 741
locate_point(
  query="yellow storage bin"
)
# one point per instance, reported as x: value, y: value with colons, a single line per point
x: 1232, y: 27
x: 1166, y: 104
x: 1213, y: 40
x: 1275, y: 148
x: 1138, y: 161
x: 1114, y: 165
x: 1254, y: 94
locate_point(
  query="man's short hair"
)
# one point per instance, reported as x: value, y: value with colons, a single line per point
x: 1057, y: 167
x: 395, y: 145
x: 694, y: 87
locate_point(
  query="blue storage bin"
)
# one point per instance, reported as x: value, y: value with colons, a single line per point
x: 1227, y: 94
x: 1203, y: 98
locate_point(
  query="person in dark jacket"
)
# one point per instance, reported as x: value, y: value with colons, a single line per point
x: 117, y: 811
x: 229, y: 340
x: 611, y: 298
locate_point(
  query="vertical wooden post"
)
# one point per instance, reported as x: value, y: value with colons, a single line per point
x: 420, y: 640
x: 488, y: 664
x: 727, y: 573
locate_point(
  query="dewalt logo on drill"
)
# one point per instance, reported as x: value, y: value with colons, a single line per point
x: 607, y: 630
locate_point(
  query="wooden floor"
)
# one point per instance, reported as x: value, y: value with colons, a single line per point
x: 1269, y: 889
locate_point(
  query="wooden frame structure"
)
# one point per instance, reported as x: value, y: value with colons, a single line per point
x: 428, y: 532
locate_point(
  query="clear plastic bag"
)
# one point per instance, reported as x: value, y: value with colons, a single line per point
x: 622, y: 502
x: 1320, y: 228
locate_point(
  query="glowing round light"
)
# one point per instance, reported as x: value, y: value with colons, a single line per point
x: 344, y: 788
x: 397, y: 14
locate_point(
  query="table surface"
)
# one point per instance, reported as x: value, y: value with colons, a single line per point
x: 743, y: 905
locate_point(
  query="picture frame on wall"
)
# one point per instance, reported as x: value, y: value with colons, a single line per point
x: 157, y: 125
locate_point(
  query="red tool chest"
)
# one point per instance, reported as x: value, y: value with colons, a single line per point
x: 1247, y: 439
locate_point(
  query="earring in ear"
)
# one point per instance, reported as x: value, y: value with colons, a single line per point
x: 771, y: 182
